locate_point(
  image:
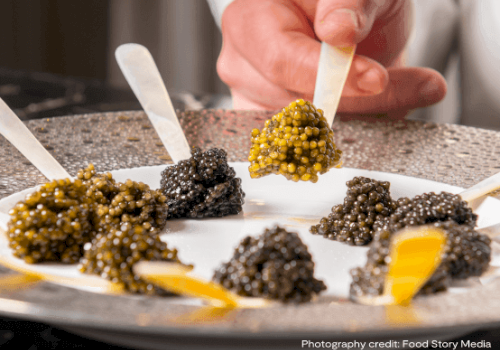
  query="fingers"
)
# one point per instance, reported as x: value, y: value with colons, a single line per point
x: 408, y: 88
x: 342, y: 23
x: 366, y: 77
x: 276, y: 39
x: 271, y: 58
x: 249, y: 88
x: 380, y: 27
x: 278, y: 42
x: 389, y: 35
x: 347, y: 22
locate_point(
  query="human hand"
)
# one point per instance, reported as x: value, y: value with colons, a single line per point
x: 271, y: 51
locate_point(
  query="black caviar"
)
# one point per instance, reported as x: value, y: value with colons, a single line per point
x: 202, y: 186
x: 466, y: 254
x: 113, y: 254
x: 428, y: 208
x: 52, y: 223
x: 275, y: 265
x: 297, y: 143
x: 366, y: 201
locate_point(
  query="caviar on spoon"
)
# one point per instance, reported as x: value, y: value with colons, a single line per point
x: 296, y: 143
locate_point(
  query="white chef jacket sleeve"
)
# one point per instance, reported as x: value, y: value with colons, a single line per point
x: 217, y: 8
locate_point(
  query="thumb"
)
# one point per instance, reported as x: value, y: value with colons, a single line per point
x: 347, y: 22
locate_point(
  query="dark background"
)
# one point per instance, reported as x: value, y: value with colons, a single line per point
x: 57, y: 56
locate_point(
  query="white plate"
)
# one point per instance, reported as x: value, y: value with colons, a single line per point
x: 141, y: 321
x: 269, y: 201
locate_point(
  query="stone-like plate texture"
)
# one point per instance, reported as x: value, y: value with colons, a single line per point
x: 452, y: 154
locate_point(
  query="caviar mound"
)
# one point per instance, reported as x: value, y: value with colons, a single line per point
x: 115, y: 203
x: 428, y: 208
x: 52, y: 223
x: 466, y: 254
x: 101, y: 187
x: 297, y: 143
x: 275, y: 265
x: 367, y: 200
x: 202, y: 186
x: 112, y: 256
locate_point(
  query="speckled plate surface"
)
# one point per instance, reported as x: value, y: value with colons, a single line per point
x: 457, y: 156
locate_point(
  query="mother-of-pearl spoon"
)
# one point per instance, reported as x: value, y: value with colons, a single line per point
x: 14, y: 130
x: 142, y: 74
x: 333, y: 68
x: 415, y: 253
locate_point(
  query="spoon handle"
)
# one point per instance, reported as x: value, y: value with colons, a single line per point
x: 334, y: 64
x: 482, y: 188
x: 142, y: 74
x: 14, y: 130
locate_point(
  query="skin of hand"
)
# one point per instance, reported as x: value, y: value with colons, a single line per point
x: 271, y: 50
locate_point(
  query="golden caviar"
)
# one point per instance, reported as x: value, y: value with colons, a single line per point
x: 296, y: 143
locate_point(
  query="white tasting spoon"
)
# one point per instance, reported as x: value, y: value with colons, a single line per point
x: 482, y: 188
x: 334, y: 65
x: 142, y: 74
x: 14, y: 130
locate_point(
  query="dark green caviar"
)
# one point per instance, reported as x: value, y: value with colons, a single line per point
x: 275, y: 265
x: 367, y: 200
x: 112, y: 255
x: 115, y: 203
x: 52, y: 223
x: 105, y: 225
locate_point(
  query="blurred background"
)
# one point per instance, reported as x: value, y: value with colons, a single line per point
x: 57, y: 56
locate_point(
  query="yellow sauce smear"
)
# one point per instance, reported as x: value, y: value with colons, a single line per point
x: 194, y: 287
x: 174, y: 277
x: 415, y: 254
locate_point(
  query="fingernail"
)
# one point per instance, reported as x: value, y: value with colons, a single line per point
x: 370, y: 81
x: 428, y: 88
x: 343, y: 14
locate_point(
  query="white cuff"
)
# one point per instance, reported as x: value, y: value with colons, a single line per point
x: 217, y: 7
